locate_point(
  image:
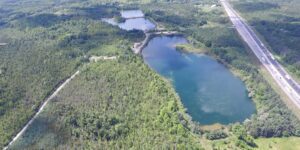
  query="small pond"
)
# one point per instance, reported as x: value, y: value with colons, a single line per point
x: 138, y: 22
x: 132, y: 14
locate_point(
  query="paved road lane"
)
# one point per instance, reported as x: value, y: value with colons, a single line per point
x: 282, y: 78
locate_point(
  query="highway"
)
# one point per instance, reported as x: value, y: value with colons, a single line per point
x: 290, y: 87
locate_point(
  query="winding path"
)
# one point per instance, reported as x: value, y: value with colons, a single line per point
x: 92, y: 59
x: 42, y: 108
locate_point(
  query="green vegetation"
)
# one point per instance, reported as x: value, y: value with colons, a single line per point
x: 119, y: 19
x: 273, y: 119
x: 108, y: 104
x: 216, y: 135
x: 48, y: 45
x: 122, y: 104
x: 278, y: 23
x: 42, y: 50
x: 291, y: 143
x: 245, y: 140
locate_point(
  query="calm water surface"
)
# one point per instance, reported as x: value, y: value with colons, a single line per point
x: 138, y: 24
x: 132, y: 13
x: 131, y: 24
x: 209, y: 91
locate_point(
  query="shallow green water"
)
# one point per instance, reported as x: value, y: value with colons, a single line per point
x: 209, y: 91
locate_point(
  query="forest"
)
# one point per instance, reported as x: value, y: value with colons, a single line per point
x: 277, y: 22
x: 41, y: 54
x: 118, y: 104
x: 122, y: 104
x: 273, y: 118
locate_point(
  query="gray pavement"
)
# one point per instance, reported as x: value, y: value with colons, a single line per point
x: 290, y: 87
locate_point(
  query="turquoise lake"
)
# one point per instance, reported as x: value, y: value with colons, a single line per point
x: 209, y: 91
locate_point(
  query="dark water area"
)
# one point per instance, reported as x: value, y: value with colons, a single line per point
x: 209, y: 91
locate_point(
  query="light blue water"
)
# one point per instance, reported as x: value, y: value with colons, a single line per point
x: 131, y: 24
x: 132, y: 13
x: 138, y: 24
x: 209, y: 91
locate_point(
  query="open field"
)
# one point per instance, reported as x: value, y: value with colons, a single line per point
x: 291, y: 143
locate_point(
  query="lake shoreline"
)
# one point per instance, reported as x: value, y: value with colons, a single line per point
x: 137, y: 48
x: 152, y: 33
x: 189, y: 72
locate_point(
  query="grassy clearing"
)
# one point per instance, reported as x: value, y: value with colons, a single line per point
x: 290, y: 143
x: 287, y: 143
x: 190, y: 48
